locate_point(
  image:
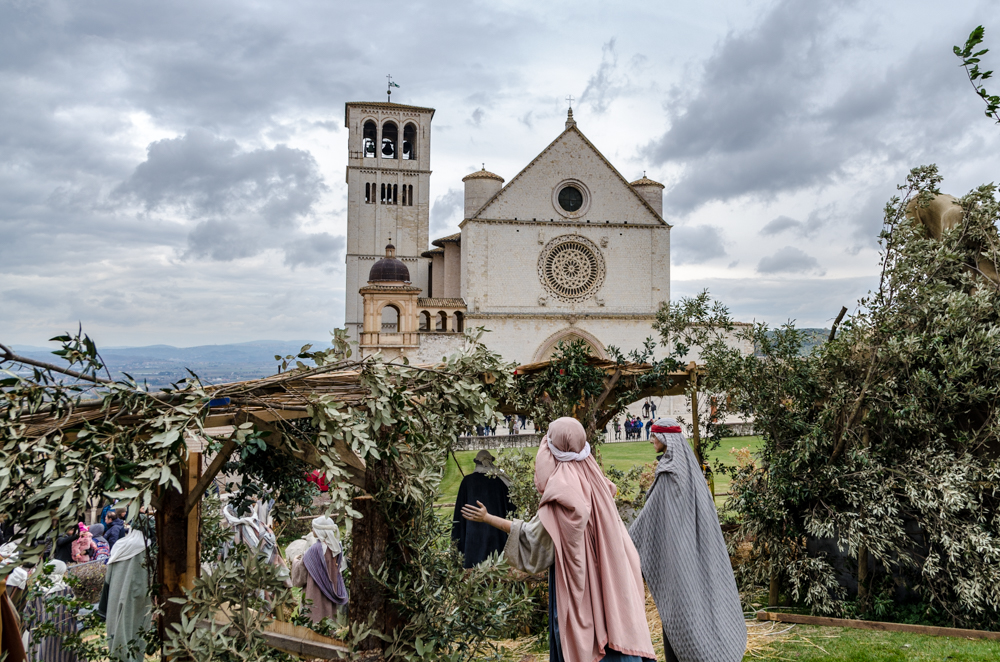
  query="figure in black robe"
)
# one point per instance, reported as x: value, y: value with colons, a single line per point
x: 487, y: 485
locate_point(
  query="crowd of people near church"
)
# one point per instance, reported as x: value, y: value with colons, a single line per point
x: 37, y: 594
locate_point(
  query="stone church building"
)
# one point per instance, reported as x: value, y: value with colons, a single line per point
x: 567, y: 249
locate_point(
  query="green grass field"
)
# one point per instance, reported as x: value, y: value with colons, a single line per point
x: 620, y: 456
x: 821, y: 644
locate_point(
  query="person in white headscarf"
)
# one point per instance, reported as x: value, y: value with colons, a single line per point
x: 43, y: 609
x: 318, y: 571
x: 125, y: 600
x: 252, y: 529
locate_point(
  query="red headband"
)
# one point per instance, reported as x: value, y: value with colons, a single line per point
x: 665, y: 429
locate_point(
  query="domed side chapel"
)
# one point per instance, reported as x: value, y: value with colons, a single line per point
x: 567, y: 250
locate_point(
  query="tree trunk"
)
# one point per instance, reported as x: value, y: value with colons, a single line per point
x: 370, y: 538
x: 862, y: 572
x: 695, y: 431
x: 773, y: 594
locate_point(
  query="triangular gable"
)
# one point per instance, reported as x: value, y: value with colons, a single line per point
x: 570, y: 156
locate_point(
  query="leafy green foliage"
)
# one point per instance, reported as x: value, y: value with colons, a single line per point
x: 449, y: 613
x: 519, y: 465
x: 254, y: 593
x: 970, y: 60
x: 886, y: 438
x: 572, y: 385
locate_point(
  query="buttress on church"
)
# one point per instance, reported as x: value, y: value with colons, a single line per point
x: 567, y: 249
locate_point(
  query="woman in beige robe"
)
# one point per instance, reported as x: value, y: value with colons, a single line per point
x: 318, y: 571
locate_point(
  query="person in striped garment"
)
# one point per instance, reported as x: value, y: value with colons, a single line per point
x: 45, y: 609
x: 684, y: 558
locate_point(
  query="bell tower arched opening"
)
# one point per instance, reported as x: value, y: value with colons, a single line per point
x: 390, y: 138
x: 369, y: 138
x: 409, y: 142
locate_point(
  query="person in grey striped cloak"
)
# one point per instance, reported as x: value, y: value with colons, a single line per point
x: 684, y: 559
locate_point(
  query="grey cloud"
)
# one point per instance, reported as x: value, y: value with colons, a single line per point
x: 778, y: 225
x: 810, y: 301
x: 207, y: 176
x: 607, y: 83
x: 447, y: 210
x: 223, y: 240
x: 782, y: 107
x: 314, y: 250
x: 807, y: 228
x: 696, y: 244
x: 477, y: 116
x: 788, y: 260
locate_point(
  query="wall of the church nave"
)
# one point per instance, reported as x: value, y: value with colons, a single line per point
x: 529, y: 339
x: 500, y: 264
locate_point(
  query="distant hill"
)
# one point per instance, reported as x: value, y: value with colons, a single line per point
x: 813, y: 338
x: 162, y: 365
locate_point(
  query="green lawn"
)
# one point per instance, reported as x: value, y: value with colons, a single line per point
x: 809, y: 643
x: 620, y: 456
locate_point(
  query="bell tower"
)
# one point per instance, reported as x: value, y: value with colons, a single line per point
x: 388, y: 190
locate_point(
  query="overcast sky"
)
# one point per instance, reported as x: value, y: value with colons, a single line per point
x: 174, y: 172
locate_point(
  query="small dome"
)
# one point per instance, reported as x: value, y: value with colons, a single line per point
x: 482, y: 174
x: 389, y: 269
x: 646, y: 181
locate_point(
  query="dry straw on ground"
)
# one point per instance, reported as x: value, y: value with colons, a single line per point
x: 761, y: 638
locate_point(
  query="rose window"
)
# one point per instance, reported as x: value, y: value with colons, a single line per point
x: 571, y: 268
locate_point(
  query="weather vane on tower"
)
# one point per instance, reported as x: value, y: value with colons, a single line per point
x: 389, y: 87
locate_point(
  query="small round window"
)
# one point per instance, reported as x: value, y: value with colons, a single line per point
x: 570, y: 199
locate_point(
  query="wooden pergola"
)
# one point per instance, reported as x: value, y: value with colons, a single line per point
x: 265, y: 403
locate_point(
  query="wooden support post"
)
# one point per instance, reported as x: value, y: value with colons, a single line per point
x: 773, y: 593
x: 177, y: 542
x: 696, y: 433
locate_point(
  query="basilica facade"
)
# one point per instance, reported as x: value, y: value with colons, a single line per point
x: 567, y: 249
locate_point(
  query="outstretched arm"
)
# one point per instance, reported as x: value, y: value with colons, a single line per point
x: 480, y: 514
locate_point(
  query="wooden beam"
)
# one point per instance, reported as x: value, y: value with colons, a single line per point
x: 194, y: 496
x: 929, y: 630
x: 268, y: 415
x: 294, y: 639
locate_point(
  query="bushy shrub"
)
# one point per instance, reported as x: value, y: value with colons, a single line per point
x: 89, y: 581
